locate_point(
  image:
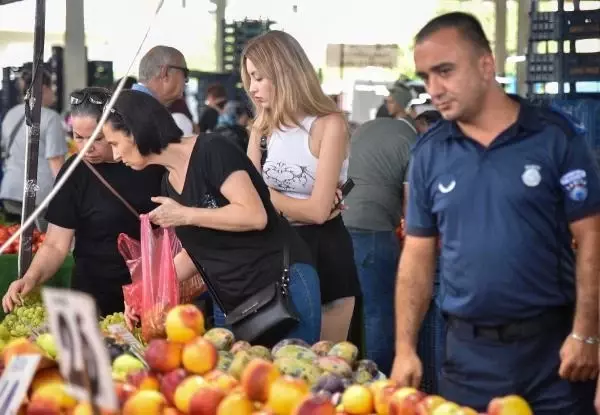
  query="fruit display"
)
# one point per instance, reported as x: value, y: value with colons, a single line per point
x: 23, y: 319
x: 6, y: 231
x: 198, y: 372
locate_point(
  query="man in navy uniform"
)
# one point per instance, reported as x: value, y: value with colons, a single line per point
x: 506, y: 185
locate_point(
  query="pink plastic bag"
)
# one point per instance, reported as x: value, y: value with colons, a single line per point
x: 154, y: 289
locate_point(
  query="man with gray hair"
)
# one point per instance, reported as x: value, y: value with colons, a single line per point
x: 163, y: 74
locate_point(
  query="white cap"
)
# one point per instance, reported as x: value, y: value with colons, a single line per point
x: 420, y: 109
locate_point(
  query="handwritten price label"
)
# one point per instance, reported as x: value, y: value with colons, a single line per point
x: 15, y: 382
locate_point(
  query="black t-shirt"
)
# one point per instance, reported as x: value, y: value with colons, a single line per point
x: 98, y: 217
x: 238, y: 264
x: 208, y: 119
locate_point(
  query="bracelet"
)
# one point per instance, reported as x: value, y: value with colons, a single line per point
x: 586, y: 340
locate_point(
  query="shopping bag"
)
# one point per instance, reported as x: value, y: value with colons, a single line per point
x: 155, y: 289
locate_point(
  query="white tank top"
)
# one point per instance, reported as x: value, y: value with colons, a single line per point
x: 290, y: 166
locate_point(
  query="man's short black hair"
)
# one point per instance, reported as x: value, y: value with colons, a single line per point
x: 146, y: 120
x: 466, y: 24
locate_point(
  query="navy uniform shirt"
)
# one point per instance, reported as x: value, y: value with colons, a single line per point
x: 503, y: 213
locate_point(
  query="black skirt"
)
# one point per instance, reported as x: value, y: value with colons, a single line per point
x: 331, y: 247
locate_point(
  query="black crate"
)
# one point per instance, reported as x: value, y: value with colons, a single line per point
x: 564, y: 26
x: 563, y: 67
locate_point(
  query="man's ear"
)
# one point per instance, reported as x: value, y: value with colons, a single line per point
x: 487, y: 64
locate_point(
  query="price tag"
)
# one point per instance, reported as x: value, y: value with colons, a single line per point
x: 84, y: 360
x: 15, y: 382
x: 121, y: 333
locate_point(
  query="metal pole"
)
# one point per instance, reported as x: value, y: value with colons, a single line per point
x: 523, y: 48
x: 220, y: 32
x: 500, y: 37
x: 33, y: 110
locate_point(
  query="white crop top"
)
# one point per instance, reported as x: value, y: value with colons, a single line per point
x: 290, y: 166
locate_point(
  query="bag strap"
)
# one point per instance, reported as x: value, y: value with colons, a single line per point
x: 111, y: 189
x: 211, y: 288
x: 13, y: 135
x: 285, y: 277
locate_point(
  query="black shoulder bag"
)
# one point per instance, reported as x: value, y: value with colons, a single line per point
x: 267, y: 316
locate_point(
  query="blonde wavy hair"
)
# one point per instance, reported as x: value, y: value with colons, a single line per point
x: 279, y: 58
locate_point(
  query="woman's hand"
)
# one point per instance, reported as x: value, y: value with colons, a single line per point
x: 169, y: 213
x: 131, y: 319
x: 16, y: 291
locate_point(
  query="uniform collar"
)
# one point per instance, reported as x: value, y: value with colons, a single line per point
x: 528, y: 121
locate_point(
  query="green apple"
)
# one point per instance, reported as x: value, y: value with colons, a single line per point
x: 126, y: 363
x: 47, y: 343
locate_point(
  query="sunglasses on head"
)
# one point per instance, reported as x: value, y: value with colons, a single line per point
x: 79, y: 97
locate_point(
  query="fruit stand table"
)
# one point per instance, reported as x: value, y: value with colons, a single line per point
x: 8, y: 273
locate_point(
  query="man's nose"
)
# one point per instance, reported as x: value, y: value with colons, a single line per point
x: 434, y: 86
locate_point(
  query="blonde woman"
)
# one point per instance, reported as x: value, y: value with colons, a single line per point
x: 299, y: 140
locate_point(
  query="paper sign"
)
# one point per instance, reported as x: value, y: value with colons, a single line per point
x: 84, y: 360
x: 361, y: 56
x: 15, y: 382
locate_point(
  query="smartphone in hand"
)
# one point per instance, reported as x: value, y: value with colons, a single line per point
x: 346, y: 188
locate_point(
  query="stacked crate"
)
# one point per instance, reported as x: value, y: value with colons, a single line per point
x: 563, y: 75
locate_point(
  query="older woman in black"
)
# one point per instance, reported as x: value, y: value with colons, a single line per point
x: 85, y: 210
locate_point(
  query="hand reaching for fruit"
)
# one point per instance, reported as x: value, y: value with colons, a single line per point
x: 407, y: 369
x: 16, y: 291
x: 131, y: 318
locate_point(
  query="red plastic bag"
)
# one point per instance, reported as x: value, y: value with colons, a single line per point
x: 154, y: 289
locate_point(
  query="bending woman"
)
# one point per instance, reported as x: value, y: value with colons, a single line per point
x: 305, y: 138
x: 220, y: 208
x: 86, y: 210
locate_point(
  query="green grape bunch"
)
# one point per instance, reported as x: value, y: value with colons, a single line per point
x: 24, y: 318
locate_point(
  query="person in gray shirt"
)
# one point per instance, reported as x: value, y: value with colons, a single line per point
x: 52, y: 151
x: 379, y: 157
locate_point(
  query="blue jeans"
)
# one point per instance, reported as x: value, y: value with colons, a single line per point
x: 376, y: 255
x: 306, y: 296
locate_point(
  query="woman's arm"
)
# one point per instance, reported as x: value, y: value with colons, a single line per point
x: 245, y: 211
x: 51, y: 255
x: 184, y: 267
x: 332, y: 133
x: 254, y: 153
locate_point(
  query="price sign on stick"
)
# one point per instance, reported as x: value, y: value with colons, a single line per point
x: 15, y: 382
x: 84, y: 360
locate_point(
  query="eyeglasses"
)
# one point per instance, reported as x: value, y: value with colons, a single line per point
x: 79, y: 97
x: 186, y: 71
